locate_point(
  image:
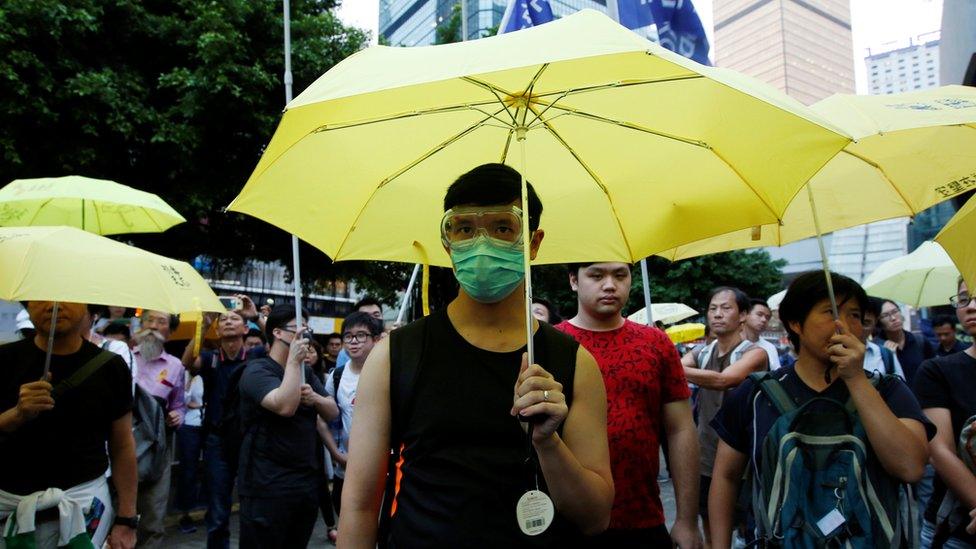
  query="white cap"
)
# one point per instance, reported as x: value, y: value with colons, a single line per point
x: 24, y: 321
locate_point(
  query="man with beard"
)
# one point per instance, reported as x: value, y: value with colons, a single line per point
x: 716, y: 369
x: 58, y: 441
x: 162, y: 376
x: 647, y: 395
x: 468, y: 469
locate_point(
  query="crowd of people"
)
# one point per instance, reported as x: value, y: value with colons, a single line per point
x: 443, y: 432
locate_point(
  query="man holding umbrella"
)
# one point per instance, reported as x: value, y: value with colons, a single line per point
x: 53, y: 435
x: 468, y: 472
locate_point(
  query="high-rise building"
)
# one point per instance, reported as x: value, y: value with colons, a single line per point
x: 914, y: 67
x: 803, y: 48
x: 415, y: 22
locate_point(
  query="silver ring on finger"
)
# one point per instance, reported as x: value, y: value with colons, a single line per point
x: 545, y: 395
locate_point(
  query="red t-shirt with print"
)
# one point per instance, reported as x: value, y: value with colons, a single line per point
x: 642, y: 372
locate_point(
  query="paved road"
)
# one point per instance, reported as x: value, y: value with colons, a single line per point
x: 198, y: 540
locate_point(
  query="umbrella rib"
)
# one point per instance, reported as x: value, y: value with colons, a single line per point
x: 921, y: 288
x: 37, y: 212
x: 406, y: 168
x: 400, y: 116
x: 508, y: 143
x: 630, y: 126
x: 884, y: 174
x: 494, y: 91
x: 596, y: 179
x: 621, y: 84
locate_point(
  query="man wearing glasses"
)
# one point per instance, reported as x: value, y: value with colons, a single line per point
x: 946, y: 390
x: 360, y: 331
x: 280, y: 416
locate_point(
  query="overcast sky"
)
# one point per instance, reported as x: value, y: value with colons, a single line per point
x: 877, y: 24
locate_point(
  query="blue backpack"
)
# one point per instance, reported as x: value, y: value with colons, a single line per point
x: 819, y: 485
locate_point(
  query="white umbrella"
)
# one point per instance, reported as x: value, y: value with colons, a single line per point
x: 668, y: 313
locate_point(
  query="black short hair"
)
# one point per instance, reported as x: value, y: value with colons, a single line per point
x: 359, y: 318
x: 810, y: 288
x: 756, y: 302
x: 490, y: 185
x: 366, y: 301
x: 280, y: 315
x: 254, y: 332
x: 333, y: 335
x: 116, y: 328
x: 943, y: 320
x: 874, y: 306
x: 742, y: 301
x: 573, y: 268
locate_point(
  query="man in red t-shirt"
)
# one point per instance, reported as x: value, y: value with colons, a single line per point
x: 646, y: 388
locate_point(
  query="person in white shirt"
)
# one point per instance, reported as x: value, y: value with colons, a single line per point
x: 118, y: 347
x: 753, y: 327
x: 877, y: 358
x: 189, y: 444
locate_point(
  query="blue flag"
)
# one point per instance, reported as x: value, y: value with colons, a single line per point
x: 522, y: 14
x: 678, y: 27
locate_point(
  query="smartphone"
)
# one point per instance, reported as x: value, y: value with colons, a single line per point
x: 232, y: 303
x: 306, y: 334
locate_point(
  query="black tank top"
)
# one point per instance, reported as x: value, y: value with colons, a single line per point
x: 463, y: 455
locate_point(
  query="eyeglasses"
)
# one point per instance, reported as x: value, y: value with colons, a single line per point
x: 358, y: 337
x: 889, y: 315
x: 460, y: 227
x: 960, y: 301
x: 292, y: 330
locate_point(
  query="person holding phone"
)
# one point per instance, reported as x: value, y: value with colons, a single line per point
x: 279, y: 470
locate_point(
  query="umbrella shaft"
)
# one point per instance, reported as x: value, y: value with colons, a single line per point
x: 50, y: 341
x: 823, y: 253
x: 647, y: 293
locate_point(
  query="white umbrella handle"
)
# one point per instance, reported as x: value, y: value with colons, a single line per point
x: 527, y: 251
x: 406, y: 295
x: 647, y: 293
x: 823, y: 253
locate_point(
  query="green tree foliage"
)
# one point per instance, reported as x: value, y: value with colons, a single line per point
x: 175, y: 97
x: 687, y: 281
x: 449, y: 30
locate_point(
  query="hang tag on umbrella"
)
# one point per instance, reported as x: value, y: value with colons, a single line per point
x: 534, y: 512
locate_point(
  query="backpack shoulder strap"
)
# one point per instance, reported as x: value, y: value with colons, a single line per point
x: 82, y: 374
x: 407, y: 346
x: 336, y: 378
x: 767, y: 383
x: 887, y: 360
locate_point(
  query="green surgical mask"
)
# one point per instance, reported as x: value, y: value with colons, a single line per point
x: 488, y: 272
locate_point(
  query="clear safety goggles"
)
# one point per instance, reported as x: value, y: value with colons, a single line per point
x: 461, y: 227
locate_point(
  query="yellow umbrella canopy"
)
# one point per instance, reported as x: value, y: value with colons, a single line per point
x: 631, y: 148
x: 94, y: 205
x: 957, y: 237
x: 668, y: 313
x: 70, y: 265
x: 681, y: 333
x: 912, y: 151
x: 923, y: 278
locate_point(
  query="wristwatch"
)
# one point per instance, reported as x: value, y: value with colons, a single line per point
x: 131, y: 522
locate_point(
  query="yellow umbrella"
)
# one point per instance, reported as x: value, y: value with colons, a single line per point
x: 681, y: 333
x: 632, y: 148
x: 923, y: 278
x: 94, y: 205
x: 913, y: 150
x: 957, y: 239
x: 668, y: 313
x: 70, y: 265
